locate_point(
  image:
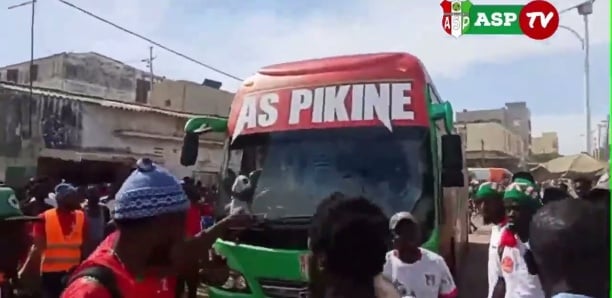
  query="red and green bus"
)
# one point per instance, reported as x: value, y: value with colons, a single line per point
x: 370, y: 125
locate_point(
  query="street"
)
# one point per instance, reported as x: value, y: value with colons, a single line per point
x: 473, y: 276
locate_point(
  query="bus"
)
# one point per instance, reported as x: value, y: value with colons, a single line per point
x: 370, y: 125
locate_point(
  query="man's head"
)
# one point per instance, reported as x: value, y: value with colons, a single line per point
x: 348, y: 239
x: 93, y: 194
x: 39, y: 189
x: 14, y: 240
x: 582, y: 186
x: 489, y: 199
x: 192, y: 193
x: 570, y: 245
x: 67, y: 196
x: 521, y: 201
x: 406, y: 231
x: 564, y: 187
x: 151, y: 207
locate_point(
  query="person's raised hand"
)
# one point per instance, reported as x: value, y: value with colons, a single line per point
x: 239, y: 220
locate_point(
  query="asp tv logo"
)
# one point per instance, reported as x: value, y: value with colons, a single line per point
x: 537, y: 19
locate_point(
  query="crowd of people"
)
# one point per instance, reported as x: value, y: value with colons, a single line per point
x: 556, y: 246
x: 156, y: 242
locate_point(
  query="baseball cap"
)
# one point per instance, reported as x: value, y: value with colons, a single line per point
x: 9, y: 207
x: 398, y: 217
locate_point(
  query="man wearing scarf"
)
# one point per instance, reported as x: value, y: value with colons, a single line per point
x: 521, y: 200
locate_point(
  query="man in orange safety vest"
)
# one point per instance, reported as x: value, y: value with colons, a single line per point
x: 60, y: 239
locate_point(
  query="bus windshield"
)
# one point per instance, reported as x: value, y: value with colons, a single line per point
x: 300, y: 168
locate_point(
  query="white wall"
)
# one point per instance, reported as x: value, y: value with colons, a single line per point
x: 117, y: 130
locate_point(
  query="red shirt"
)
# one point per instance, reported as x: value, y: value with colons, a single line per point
x: 193, y: 220
x: 67, y: 220
x: 152, y: 285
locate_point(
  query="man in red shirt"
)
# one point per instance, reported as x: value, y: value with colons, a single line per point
x: 148, y: 250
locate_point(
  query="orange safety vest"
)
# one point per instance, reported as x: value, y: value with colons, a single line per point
x: 62, y: 252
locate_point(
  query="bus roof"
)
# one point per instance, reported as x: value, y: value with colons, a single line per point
x: 344, y: 91
x: 338, y: 69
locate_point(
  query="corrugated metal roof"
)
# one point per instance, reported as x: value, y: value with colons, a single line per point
x: 96, y: 100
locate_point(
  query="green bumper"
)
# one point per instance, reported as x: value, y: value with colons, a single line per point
x: 257, y: 263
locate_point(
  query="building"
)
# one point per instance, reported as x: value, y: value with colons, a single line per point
x: 548, y: 143
x: 103, y: 136
x: 93, y: 109
x: 490, y: 144
x: 515, y: 116
x: 96, y: 75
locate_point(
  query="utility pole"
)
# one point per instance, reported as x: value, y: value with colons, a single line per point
x: 32, y: 4
x: 149, y: 62
x: 584, y: 9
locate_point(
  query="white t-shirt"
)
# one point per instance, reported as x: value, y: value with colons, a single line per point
x: 519, y: 283
x: 428, y: 277
x: 493, y: 268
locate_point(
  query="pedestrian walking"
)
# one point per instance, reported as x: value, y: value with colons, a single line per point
x: 489, y: 199
x: 521, y: 201
x: 348, y: 240
x: 570, y: 246
x: 148, y: 250
x: 415, y: 271
x: 61, y: 238
x: 97, y: 216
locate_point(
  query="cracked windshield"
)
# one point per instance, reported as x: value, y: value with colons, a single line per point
x: 305, y: 149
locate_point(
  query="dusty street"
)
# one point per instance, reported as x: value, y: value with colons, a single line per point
x: 473, y: 276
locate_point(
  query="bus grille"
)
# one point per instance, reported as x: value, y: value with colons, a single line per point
x: 278, y: 288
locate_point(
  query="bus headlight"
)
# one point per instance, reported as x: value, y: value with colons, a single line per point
x: 236, y: 282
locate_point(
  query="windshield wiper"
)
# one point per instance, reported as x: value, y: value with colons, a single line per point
x: 297, y: 220
x: 292, y: 219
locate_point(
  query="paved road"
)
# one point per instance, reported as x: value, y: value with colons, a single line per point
x: 473, y: 276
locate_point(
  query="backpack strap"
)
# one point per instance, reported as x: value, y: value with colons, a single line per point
x: 103, y: 275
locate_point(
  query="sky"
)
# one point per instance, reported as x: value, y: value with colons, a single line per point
x: 472, y: 72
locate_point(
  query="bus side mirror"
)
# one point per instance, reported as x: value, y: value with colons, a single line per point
x: 189, y: 152
x: 452, y: 161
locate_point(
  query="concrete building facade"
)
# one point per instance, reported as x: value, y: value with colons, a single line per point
x: 490, y: 140
x: 547, y: 143
x: 96, y: 75
x: 515, y: 116
x: 87, y: 106
x: 79, y: 128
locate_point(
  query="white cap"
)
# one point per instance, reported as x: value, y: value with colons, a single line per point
x: 397, y: 217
